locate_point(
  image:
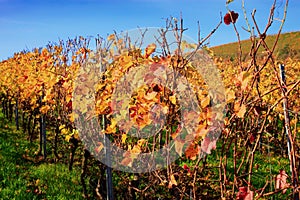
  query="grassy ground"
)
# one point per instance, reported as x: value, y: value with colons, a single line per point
x: 23, y: 178
x: 23, y: 175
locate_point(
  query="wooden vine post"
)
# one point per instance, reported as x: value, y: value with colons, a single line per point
x: 17, y: 113
x: 42, y: 128
x: 290, y: 140
x: 109, y: 182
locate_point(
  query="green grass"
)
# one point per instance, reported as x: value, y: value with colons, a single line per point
x: 23, y: 179
x: 287, y: 46
x: 266, y: 166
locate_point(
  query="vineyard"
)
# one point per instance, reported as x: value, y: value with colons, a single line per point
x: 224, y: 127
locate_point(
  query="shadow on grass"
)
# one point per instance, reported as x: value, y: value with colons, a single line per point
x: 24, y: 176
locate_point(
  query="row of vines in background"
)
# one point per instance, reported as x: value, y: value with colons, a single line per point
x: 36, y: 89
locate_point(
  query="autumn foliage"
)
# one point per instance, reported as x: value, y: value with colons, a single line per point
x: 54, y: 81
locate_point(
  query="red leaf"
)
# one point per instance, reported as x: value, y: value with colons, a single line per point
x: 69, y: 105
x: 252, y: 138
x: 185, y: 166
x: 230, y: 17
x: 244, y: 194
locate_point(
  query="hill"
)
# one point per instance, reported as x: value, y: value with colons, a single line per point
x: 288, y: 46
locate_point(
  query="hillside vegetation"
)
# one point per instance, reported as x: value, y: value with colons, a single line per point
x: 287, y: 47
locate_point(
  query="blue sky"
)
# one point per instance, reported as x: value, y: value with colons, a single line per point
x: 33, y: 23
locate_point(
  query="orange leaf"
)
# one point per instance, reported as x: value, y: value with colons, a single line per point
x: 111, y: 37
x: 44, y: 109
x: 205, y: 102
x: 150, y: 49
x: 192, y: 151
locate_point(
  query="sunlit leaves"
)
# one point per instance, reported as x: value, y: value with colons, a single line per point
x: 111, y: 37
x: 153, y: 109
x: 205, y: 102
x: 150, y: 49
x: 68, y: 134
x: 172, y: 99
x: 44, y: 109
x: 240, y: 110
x: 230, y: 96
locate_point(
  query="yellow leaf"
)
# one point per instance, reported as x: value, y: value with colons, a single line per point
x: 230, y: 96
x: 241, y: 112
x: 72, y: 117
x: 68, y: 137
x: 136, y: 149
x: 165, y: 109
x: 150, y: 49
x: 141, y: 142
x: 124, y: 137
x: 65, y: 131
x: 205, y: 102
x: 68, y: 97
x: 229, y: 1
x: 37, y: 182
x: 150, y: 95
x: 172, y: 181
x: 111, y: 37
x: 172, y: 99
x: 112, y: 127
x: 62, y: 127
x: 44, y: 109
x: 75, y: 134
x: 245, y: 78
